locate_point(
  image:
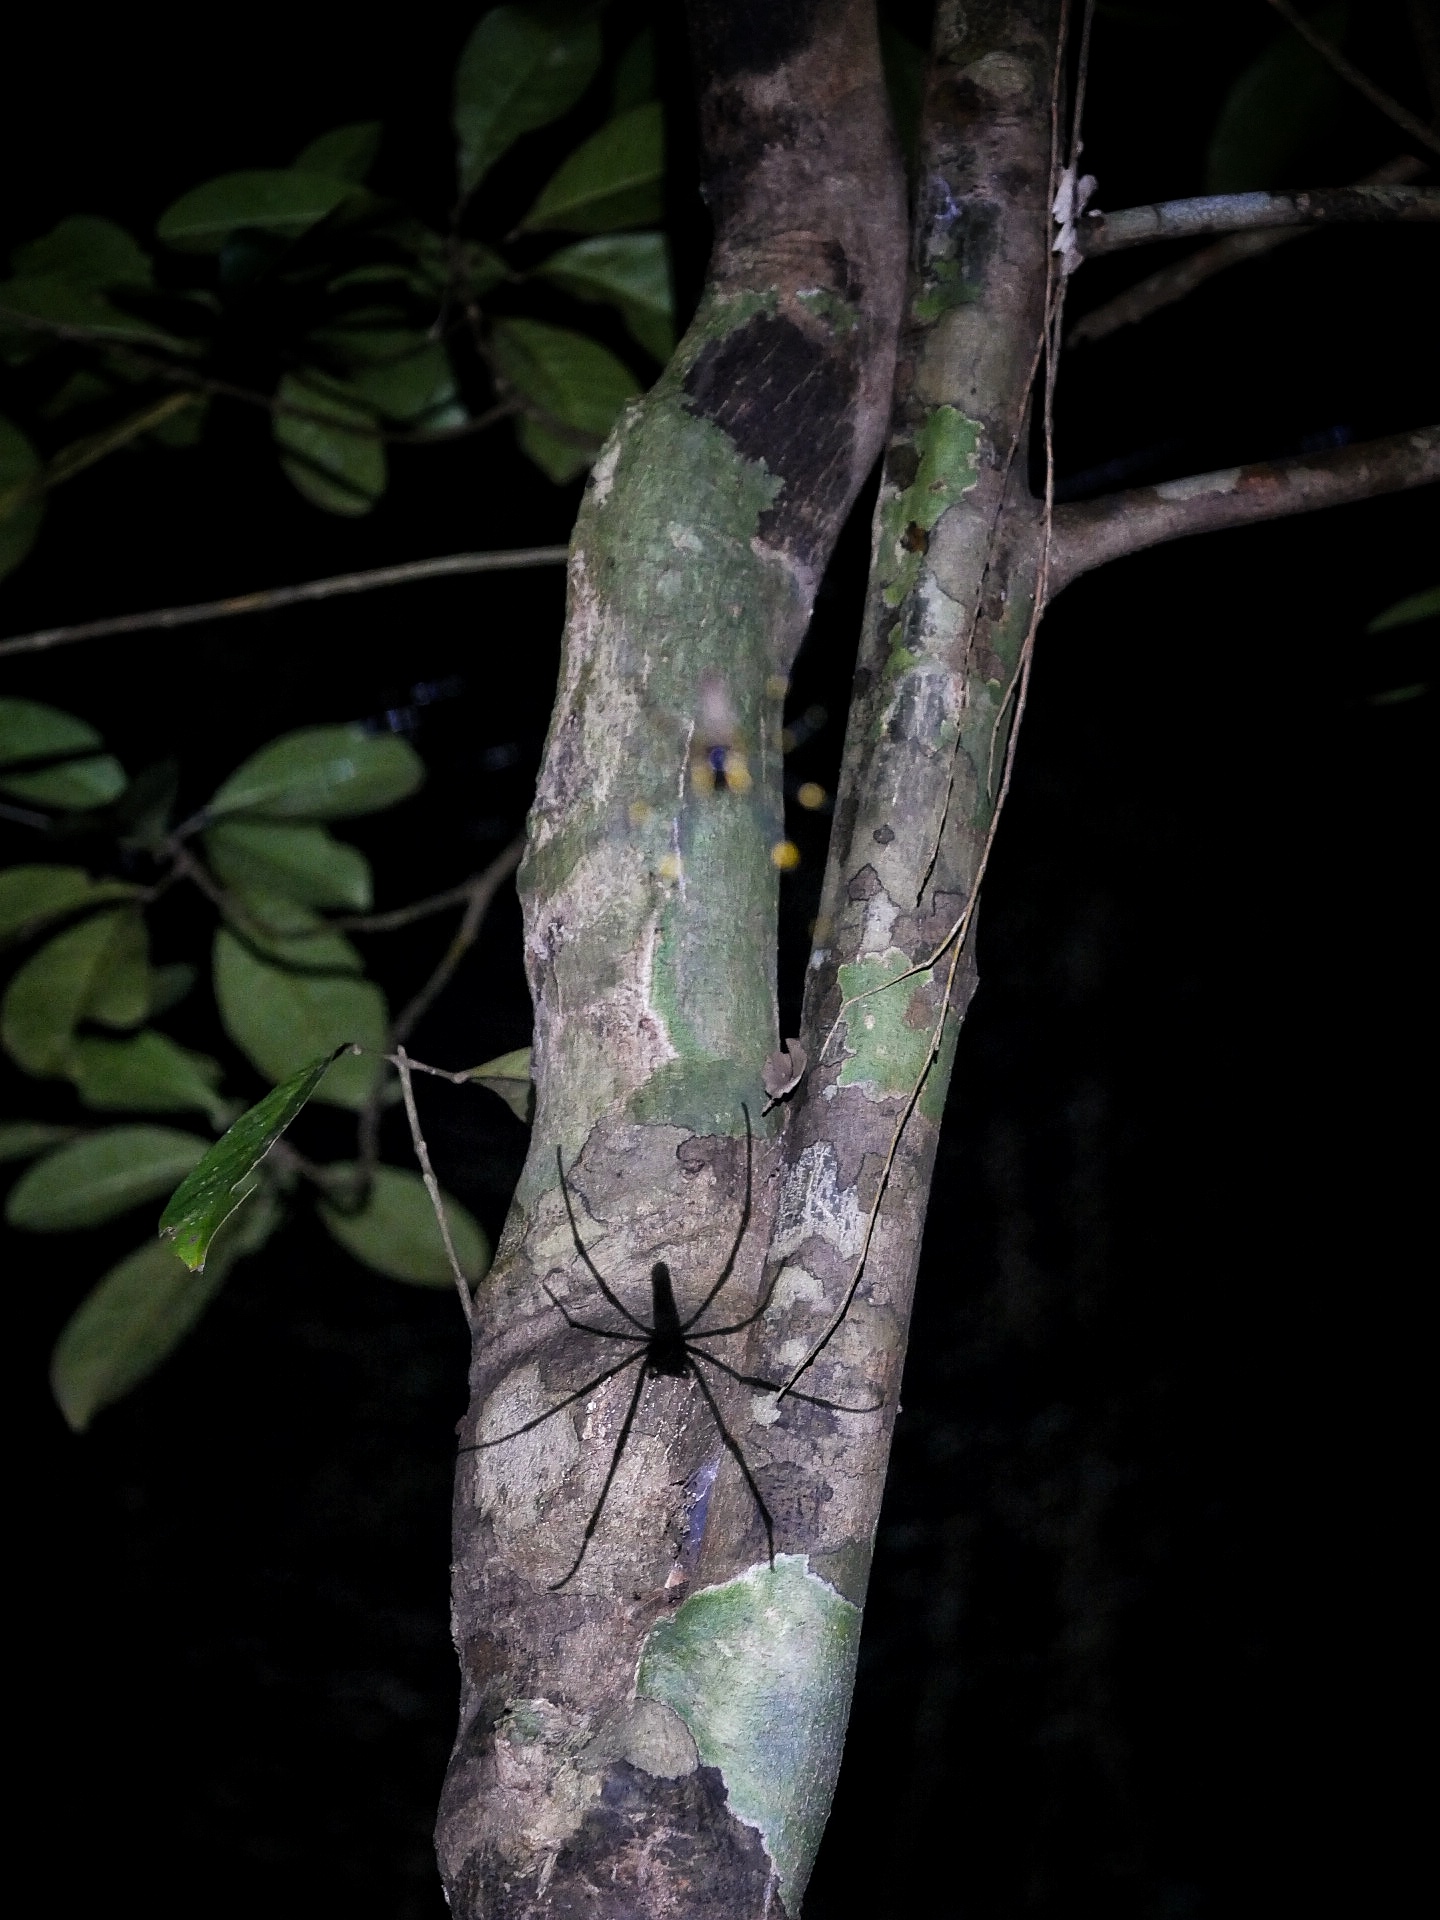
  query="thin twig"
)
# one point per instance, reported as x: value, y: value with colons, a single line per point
x: 1100, y: 233
x: 401, y: 1061
x: 1361, y: 82
x: 81, y: 454
x: 1182, y: 277
x: 482, y: 891
x: 506, y: 560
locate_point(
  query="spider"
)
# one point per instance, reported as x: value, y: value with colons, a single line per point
x: 665, y: 1347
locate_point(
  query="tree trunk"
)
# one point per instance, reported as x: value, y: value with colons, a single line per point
x: 658, y: 1729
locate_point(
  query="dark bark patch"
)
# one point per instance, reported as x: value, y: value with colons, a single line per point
x: 882, y: 836
x: 661, y: 1848
x: 865, y: 884
x: 749, y: 36
x: 784, y: 399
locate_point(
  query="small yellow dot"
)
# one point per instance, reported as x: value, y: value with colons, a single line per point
x: 669, y: 867
x: 785, y: 854
x: 640, y: 812
x: 701, y: 778
x: 737, y: 772
x: 811, y: 795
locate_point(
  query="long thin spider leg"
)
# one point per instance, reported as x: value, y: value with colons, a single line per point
x: 579, y: 1394
x: 710, y: 1333
x: 583, y: 1326
x: 596, y: 1275
x: 729, y: 1265
x: 774, y: 1386
x: 734, y: 1447
x: 594, y: 1519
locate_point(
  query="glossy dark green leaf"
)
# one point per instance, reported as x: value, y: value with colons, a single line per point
x: 169, y: 985
x: 630, y: 271
x: 397, y: 377
x: 1280, y: 104
x: 30, y: 731
x: 21, y: 508
x: 23, y: 1139
x: 614, y: 180
x: 634, y: 81
x: 121, y: 994
x: 300, y: 860
x: 145, y: 1072
x: 522, y: 67
x: 88, y: 251
x: 55, y: 989
x: 281, y: 1020
x: 227, y: 1175
x: 322, y: 773
x: 345, y: 153
x: 1404, y: 613
x: 340, y: 467
x: 396, y: 1233
x: 32, y: 895
x: 572, y: 382
x: 60, y: 302
x: 283, y: 201
x: 509, y: 1076
x: 101, y: 1175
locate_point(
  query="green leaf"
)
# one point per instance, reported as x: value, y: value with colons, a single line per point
x: 58, y: 301
x: 121, y: 994
x: 1416, y: 606
x: 509, y: 1076
x: 280, y: 1020
x: 522, y: 67
x: 31, y: 895
x: 294, y: 936
x: 146, y: 1073
x: 169, y: 985
x: 88, y: 251
x: 345, y: 153
x: 120, y: 1333
x: 613, y: 180
x: 100, y: 1176
x: 397, y: 376
x: 634, y: 81
x: 630, y: 271
x: 284, y: 201
x: 396, y: 1233
x: 58, y: 985
x: 341, y: 468
x: 21, y: 507
x: 30, y: 731
x: 572, y: 381
x: 322, y: 773
x: 1280, y: 104
x: 299, y: 860
x: 23, y: 1139
x: 226, y: 1176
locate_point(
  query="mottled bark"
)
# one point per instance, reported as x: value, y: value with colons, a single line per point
x: 649, y: 892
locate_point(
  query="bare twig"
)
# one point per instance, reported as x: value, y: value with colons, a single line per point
x: 1099, y: 233
x: 1182, y: 277
x: 81, y: 454
x: 401, y: 1061
x: 273, y: 598
x: 1089, y: 533
x: 1361, y: 82
x: 482, y: 891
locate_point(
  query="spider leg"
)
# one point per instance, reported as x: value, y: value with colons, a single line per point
x: 774, y: 1386
x: 595, y: 1273
x: 583, y: 1326
x: 594, y: 1519
x: 709, y: 1333
x: 579, y: 1394
x: 734, y: 1448
x: 729, y: 1265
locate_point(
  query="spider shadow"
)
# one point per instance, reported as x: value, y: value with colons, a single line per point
x: 664, y: 1347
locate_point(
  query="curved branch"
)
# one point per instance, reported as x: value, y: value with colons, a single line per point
x: 1101, y: 233
x: 1089, y: 534
x: 507, y: 560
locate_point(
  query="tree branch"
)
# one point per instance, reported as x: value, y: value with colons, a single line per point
x: 1182, y: 277
x: 1361, y: 82
x: 1099, y: 233
x: 1090, y: 533
x: 507, y: 560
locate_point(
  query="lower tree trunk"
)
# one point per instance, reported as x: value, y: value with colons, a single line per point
x: 660, y: 1562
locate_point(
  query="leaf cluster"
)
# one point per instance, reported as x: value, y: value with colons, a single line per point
x: 356, y: 324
